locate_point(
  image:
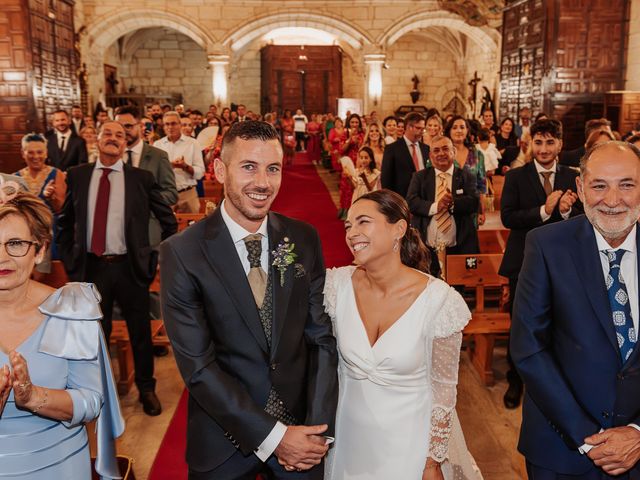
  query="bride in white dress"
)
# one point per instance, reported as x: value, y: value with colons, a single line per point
x: 399, y: 334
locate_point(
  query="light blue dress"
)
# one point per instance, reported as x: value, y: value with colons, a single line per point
x: 67, y: 351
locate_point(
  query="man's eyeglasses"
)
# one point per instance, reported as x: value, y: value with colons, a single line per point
x: 18, y: 248
x: 439, y: 150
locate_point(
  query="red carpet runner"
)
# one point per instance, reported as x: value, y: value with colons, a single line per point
x: 304, y: 196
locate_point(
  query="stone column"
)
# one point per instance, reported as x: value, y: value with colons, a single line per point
x: 373, y: 80
x: 220, y: 71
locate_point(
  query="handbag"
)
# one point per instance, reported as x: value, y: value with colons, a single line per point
x: 125, y: 464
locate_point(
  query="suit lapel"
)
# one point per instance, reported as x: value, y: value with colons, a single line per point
x: 144, y: 156
x: 83, y: 180
x: 407, y: 154
x: 129, y: 192
x: 587, y: 261
x: 220, y: 252
x: 534, y: 180
x: 430, y: 184
x: 281, y: 290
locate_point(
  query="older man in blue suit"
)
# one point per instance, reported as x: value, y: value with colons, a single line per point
x: 573, y: 337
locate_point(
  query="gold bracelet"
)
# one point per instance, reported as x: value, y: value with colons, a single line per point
x: 44, y: 401
x: 432, y: 464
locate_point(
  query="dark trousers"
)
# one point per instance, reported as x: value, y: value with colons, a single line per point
x: 537, y: 473
x: 512, y: 375
x: 239, y: 467
x: 115, y: 282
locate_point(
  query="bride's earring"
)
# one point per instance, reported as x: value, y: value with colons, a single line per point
x: 396, y: 245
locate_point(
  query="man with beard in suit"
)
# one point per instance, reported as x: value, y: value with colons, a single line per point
x: 103, y: 238
x: 243, y: 306
x: 65, y: 149
x: 536, y: 194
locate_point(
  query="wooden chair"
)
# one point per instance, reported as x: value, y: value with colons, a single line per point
x: 493, y: 241
x: 58, y: 276
x: 186, y: 219
x: 481, y: 272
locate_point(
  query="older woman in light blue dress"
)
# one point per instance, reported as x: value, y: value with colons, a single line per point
x: 56, y: 374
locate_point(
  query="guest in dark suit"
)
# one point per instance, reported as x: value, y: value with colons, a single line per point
x: 252, y: 341
x: 104, y: 238
x: 65, y: 149
x: 77, y: 119
x: 538, y: 193
x: 405, y: 156
x: 571, y: 158
x: 142, y: 155
x: 443, y: 200
x: 573, y: 334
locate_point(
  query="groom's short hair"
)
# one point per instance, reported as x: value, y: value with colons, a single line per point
x: 247, y: 130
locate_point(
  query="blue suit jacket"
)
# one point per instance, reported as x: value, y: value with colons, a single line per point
x: 564, y: 346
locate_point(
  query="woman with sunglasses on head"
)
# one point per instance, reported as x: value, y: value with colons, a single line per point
x: 55, y: 374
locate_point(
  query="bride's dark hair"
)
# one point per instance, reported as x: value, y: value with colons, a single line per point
x: 413, y: 252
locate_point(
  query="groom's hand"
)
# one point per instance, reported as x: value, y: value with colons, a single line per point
x: 615, y: 450
x: 302, y: 446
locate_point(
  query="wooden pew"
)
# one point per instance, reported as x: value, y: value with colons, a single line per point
x: 213, y: 189
x: 203, y: 203
x: 186, y: 219
x: 480, y: 272
x: 58, y: 276
x: 497, y: 181
x: 493, y: 241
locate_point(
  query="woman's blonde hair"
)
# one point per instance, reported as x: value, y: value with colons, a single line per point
x: 30, y: 208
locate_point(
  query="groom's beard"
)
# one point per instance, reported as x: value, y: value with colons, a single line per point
x: 250, y: 209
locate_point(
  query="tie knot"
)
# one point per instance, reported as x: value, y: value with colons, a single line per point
x: 254, y: 249
x: 106, y: 172
x: 546, y: 175
x: 615, y: 257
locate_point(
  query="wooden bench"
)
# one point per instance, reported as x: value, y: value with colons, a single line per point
x: 481, y: 272
x: 187, y: 219
x: 120, y: 340
x: 493, y: 241
x: 497, y: 182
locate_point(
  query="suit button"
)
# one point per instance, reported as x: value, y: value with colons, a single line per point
x: 605, y: 414
x: 281, y: 402
x: 620, y: 376
x: 273, y: 366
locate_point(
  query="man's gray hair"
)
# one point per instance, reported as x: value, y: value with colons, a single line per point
x: 171, y: 113
x: 614, y: 143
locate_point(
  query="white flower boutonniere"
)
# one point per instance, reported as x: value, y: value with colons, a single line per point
x: 283, y: 256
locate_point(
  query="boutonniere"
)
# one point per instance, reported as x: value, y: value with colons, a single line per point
x: 283, y: 256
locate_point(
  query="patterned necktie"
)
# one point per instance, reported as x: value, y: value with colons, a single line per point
x: 620, y: 305
x: 257, y: 276
x: 443, y: 219
x: 547, y: 182
x: 414, y: 157
x: 99, y: 233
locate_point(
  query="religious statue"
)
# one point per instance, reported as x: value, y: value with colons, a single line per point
x: 415, y: 93
x: 473, y: 99
x: 487, y: 102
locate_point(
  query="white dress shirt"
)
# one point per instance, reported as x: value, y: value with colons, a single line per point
x: 418, y: 152
x: 238, y: 234
x: 64, y: 136
x: 433, y: 236
x: 77, y: 122
x: 136, y: 154
x: 115, y: 241
x: 188, y: 148
x: 552, y: 179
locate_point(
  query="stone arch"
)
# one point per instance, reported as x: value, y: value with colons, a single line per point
x: 102, y: 32
x: 486, y: 38
x: 250, y: 31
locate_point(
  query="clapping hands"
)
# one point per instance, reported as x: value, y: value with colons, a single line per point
x: 567, y: 200
x: 21, y: 381
x: 5, y: 386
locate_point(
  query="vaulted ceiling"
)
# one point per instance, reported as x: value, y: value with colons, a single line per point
x: 476, y: 12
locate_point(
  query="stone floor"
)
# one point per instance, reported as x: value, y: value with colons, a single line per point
x: 490, y: 430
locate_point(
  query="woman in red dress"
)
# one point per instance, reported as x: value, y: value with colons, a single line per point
x: 288, y: 137
x: 350, y: 148
x: 314, y: 130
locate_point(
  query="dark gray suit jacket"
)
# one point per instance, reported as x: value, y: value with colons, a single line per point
x: 220, y: 346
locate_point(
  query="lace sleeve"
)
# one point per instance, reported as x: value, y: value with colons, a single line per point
x: 445, y: 356
x: 330, y: 292
x: 453, y: 315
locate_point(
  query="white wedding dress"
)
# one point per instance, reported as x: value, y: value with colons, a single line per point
x: 397, y: 398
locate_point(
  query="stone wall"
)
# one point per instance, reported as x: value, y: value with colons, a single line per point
x: 170, y: 62
x: 244, y: 78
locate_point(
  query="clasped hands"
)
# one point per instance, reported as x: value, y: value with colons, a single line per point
x: 565, y: 200
x: 445, y: 202
x: 26, y: 395
x: 615, y: 450
x: 302, y: 447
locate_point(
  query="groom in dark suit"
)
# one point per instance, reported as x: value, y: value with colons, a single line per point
x: 103, y: 238
x: 573, y: 335
x: 243, y: 306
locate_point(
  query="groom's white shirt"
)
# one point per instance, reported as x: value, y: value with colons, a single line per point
x: 238, y: 234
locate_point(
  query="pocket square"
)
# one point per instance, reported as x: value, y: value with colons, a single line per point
x: 460, y: 191
x: 299, y: 270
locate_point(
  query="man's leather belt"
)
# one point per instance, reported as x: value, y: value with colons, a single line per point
x: 186, y: 189
x: 109, y: 258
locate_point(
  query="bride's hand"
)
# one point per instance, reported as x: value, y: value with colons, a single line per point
x: 432, y: 471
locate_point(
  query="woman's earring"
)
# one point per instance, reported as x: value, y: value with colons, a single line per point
x: 396, y: 245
